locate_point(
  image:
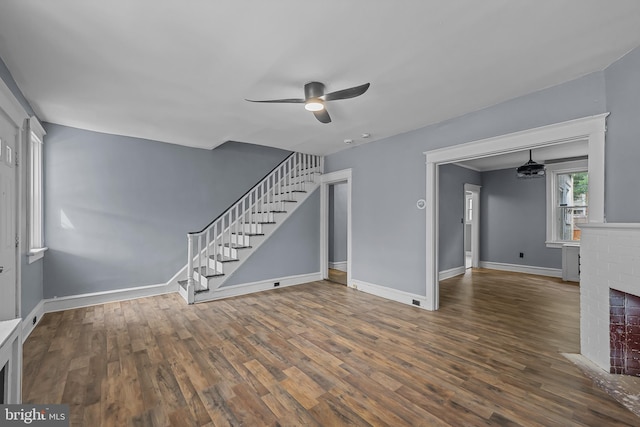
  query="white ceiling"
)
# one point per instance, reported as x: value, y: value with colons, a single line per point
x: 179, y: 71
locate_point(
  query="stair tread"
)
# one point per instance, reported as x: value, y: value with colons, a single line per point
x: 242, y: 233
x: 184, y: 283
x: 306, y: 172
x: 198, y: 287
x: 235, y: 246
x: 265, y: 212
x: 221, y: 258
x: 203, y: 272
x: 292, y: 191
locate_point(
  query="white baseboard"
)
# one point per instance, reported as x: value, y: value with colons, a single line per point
x: 262, y: 285
x: 84, y: 300
x: 340, y: 265
x: 389, y: 293
x: 27, y: 322
x: 452, y: 272
x: 528, y: 269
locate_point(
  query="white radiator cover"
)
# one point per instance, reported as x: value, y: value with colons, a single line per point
x: 11, y: 358
x: 610, y: 259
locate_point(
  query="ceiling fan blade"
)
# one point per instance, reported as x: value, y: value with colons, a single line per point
x: 352, y: 92
x: 283, y: 101
x: 322, y: 116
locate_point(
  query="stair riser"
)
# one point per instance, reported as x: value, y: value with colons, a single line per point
x: 260, y: 217
x: 293, y: 186
x: 252, y: 228
x: 204, y: 282
x: 216, y: 266
x: 228, y: 252
x: 241, y: 240
x: 278, y: 206
x: 268, y: 217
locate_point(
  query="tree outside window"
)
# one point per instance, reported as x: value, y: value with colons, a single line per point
x: 573, y: 202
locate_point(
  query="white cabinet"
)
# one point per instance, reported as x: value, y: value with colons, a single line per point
x: 571, y: 262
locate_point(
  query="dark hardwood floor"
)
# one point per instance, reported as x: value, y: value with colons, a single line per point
x: 322, y: 354
x: 338, y: 276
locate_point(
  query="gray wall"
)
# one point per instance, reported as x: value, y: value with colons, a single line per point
x: 31, y: 292
x: 513, y: 219
x: 389, y: 176
x: 117, y: 209
x: 451, y: 228
x: 293, y: 249
x: 338, y: 222
x: 623, y: 139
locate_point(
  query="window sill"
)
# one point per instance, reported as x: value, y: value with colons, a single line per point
x: 35, y: 254
x: 560, y: 244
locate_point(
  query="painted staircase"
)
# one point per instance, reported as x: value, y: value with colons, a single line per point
x: 219, y: 249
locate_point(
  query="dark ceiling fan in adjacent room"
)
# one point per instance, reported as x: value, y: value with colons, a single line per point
x: 530, y: 169
x: 315, y: 98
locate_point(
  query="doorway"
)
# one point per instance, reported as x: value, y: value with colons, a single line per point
x: 471, y: 226
x: 337, y: 237
x: 335, y: 226
x: 590, y: 129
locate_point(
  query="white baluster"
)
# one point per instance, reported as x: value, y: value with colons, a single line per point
x: 228, y: 230
x: 200, y: 258
x: 222, y: 233
x: 237, y: 220
x: 300, y: 171
x: 206, y: 250
x: 190, y: 281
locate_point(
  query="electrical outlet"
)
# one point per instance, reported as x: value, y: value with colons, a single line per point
x: 35, y: 319
x: 416, y: 302
x: 521, y: 254
x: 276, y: 284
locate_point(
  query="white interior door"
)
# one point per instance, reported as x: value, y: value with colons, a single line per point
x: 8, y: 198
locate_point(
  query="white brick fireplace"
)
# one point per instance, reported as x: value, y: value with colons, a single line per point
x: 609, y: 259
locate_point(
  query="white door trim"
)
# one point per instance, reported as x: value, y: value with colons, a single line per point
x: 11, y: 108
x: 591, y: 129
x: 328, y: 179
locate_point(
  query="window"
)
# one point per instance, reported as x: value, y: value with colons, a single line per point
x: 567, y: 201
x: 35, y: 142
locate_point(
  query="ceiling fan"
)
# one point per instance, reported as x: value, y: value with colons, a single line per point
x: 314, y: 98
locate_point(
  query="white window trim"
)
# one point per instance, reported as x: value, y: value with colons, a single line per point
x: 35, y: 200
x: 552, y: 172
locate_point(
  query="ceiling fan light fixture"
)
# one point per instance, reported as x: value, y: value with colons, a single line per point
x: 314, y: 105
x: 314, y: 98
x: 531, y: 169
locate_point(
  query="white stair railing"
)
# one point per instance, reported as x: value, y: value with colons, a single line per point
x: 218, y: 241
